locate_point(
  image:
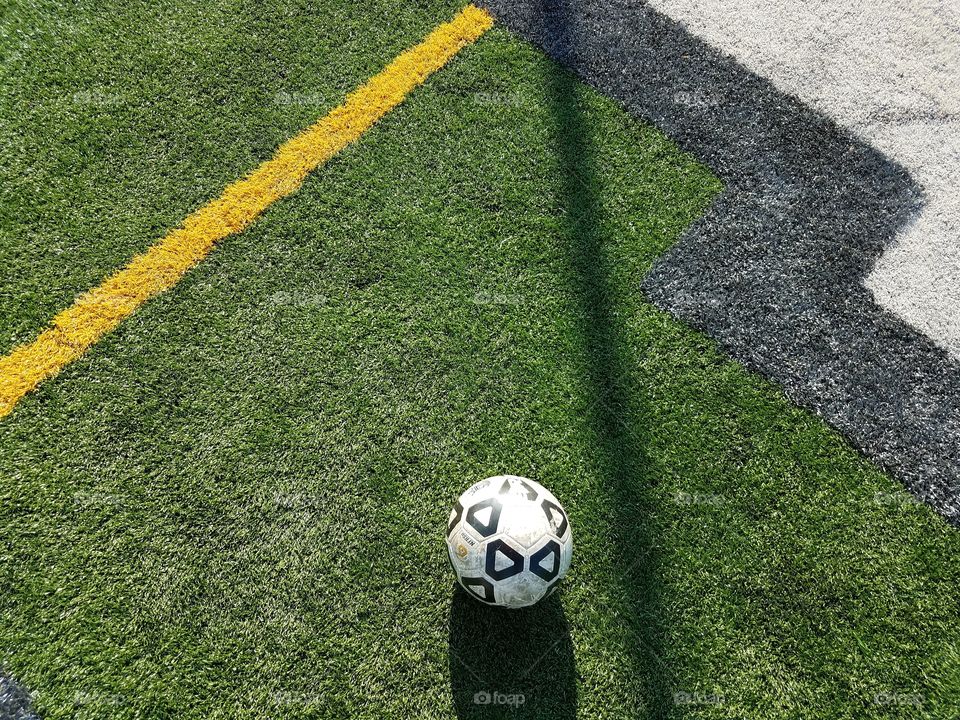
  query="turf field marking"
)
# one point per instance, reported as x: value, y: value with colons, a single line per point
x: 101, y: 309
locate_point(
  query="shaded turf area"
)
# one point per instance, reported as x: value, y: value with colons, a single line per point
x: 234, y: 505
x: 775, y: 271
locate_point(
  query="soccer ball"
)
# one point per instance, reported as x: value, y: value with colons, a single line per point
x: 509, y: 541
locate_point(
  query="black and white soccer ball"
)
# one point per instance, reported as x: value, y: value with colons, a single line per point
x: 509, y: 541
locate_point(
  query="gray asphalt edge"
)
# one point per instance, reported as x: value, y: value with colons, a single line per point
x: 774, y: 272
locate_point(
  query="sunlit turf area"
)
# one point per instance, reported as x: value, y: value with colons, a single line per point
x: 234, y: 504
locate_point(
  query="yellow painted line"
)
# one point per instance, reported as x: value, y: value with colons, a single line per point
x: 98, y: 311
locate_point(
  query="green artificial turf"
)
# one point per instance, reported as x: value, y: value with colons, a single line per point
x: 234, y: 505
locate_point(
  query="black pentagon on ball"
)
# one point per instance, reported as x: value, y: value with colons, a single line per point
x: 515, y: 558
x: 530, y: 492
x: 457, y: 514
x: 489, y: 528
x: 536, y: 560
x: 475, y: 585
x: 548, y: 506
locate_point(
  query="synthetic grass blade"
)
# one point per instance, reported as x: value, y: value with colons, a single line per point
x: 100, y: 310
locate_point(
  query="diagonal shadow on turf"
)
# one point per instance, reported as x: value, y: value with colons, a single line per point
x: 615, y: 412
x: 542, y: 662
x: 774, y: 272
